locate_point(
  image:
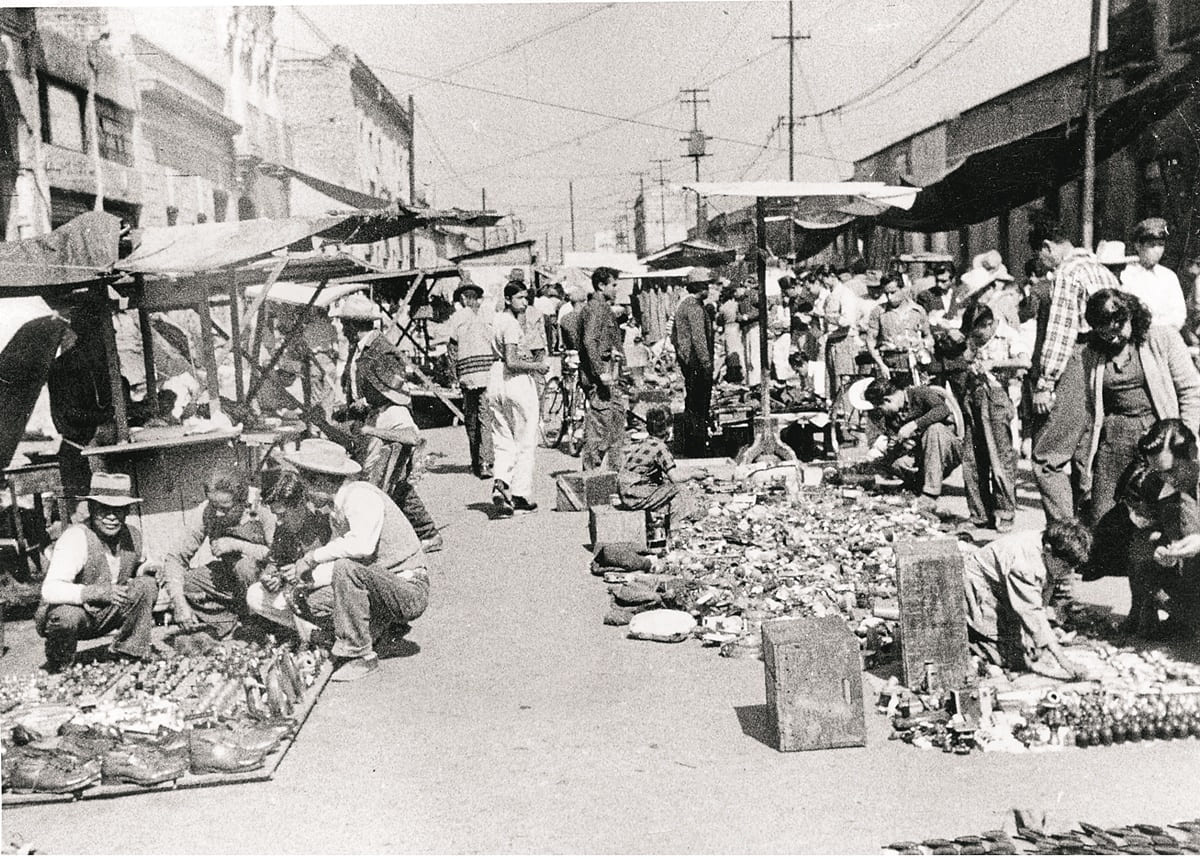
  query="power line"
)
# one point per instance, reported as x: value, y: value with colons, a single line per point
x: 908, y: 64
x: 437, y: 147
x: 312, y: 26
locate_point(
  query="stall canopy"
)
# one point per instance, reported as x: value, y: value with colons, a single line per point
x: 999, y: 179
x: 79, y: 253
x: 307, y: 294
x: 181, y: 251
x: 691, y: 252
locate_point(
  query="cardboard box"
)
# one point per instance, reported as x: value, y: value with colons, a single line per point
x: 582, y: 491
x: 933, y: 615
x: 814, y: 683
x: 606, y: 524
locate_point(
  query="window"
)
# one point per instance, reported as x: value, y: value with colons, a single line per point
x: 116, y: 126
x: 172, y: 216
x: 62, y: 115
x: 220, y: 206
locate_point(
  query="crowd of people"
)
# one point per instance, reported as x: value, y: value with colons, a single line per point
x: 1086, y: 361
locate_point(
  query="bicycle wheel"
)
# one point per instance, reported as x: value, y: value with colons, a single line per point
x: 553, y: 412
x: 570, y: 441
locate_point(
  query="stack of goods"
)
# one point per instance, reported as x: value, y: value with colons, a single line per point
x: 1139, y: 839
x: 152, y: 723
x: 1145, y: 697
x: 808, y: 552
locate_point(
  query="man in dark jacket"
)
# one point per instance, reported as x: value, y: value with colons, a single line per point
x: 600, y: 357
x: 920, y: 423
x: 692, y: 337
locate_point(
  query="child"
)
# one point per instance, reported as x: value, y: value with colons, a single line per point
x: 1007, y: 583
x: 389, y: 422
x: 649, y: 476
x: 215, y: 594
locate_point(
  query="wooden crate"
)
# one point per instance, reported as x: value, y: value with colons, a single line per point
x: 584, y: 490
x: 814, y: 683
x: 609, y: 525
x: 933, y: 614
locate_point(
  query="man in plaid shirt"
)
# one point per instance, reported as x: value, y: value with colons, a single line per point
x: 1058, y: 390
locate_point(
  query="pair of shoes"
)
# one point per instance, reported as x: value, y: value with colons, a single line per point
x: 433, y: 544
x: 355, y: 669
x: 502, y: 499
x: 523, y: 505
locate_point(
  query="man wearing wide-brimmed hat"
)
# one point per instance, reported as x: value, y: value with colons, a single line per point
x: 1156, y: 285
x: 92, y: 587
x: 469, y: 350
x: 359, y: 316
x: 374, y: 560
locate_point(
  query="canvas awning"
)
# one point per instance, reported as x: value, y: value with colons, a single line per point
x: 80, y: 253
x: 691, y: 252
x: 999, y: 179
x: 305, y: 294
x: 824, y: 204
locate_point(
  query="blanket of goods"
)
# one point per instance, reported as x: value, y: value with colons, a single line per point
x: 184, y: 718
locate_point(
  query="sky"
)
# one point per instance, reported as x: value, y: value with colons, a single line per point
x: 522, y: 99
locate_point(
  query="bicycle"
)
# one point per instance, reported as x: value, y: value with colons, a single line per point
x: 562, y: 408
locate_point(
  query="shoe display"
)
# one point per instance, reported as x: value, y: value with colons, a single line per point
x: 355, y: 669
x: 433, y: 544
x: 52, y: 772
x: 136, y: 763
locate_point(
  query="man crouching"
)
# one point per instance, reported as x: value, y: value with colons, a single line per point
x: 373, y: 560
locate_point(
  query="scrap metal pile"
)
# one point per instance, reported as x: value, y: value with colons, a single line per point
x: 1086, y: 839
x: 157, y: 722
x: 778, y: 551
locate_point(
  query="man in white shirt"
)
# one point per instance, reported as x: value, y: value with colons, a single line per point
x: 374, y: 560
x: 92, y: 586
x: 1156, y: 286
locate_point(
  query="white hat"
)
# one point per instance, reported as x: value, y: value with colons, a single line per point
x: 324, y: 456
x: 1112, y: 253
x: 856, y: 395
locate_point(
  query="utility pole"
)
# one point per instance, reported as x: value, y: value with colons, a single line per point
x: 792, y: 38
x: 484, y: 207
x: 1088, y: 213
x: 571, y: 191
x: 562, y: 254
x: 546, y: 245
x: 697, y: 143
x: 662, y: 197
x: 412, y: 177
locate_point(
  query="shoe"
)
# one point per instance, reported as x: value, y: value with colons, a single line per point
x: 433, y: 544
x: 216, y: 751
x: 502, y: 499
x: 485, y: 473
x: 144, y: 765
x: 52, y: 773
x: 523, y: 505
x: 355, y: 669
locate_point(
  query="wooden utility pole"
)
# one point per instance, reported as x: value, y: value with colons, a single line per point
x: 792, y: 38
x: 412, y: 177
x: 1088, y: 209
x: 697, y: 148
x: 571, y: 193
x: 483, y: 199
x: 562, y: 252
x: 93, y: 123
x: 662, y: 198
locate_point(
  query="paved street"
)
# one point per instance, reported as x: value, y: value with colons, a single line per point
x: 518, y: 723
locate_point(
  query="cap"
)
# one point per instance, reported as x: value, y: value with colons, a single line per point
x: 1151, y: 228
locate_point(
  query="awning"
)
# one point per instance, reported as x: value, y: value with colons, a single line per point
x: 1000, y: 179
x: 305, y: 266
x: 822, y: 203
x: 345, y: 196
x: 688, y: 253
x: 79, y: 253
x: 302, y: 293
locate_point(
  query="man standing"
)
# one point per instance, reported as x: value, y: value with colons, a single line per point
x: 92, y: 586
x: 373, y: 561
x: 898, y: 330
x: 1156, y: 285
x: 358, y: 315
x: 600, y: 358
x: 692, y: 337
x: 470, y: 353
x: 1057, y: 371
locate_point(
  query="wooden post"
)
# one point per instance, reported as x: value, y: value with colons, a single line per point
x: 292, y: 335
x: 113, y: 359
x: 760, y: 269
x: 1088, y: 207
x: 148, y: 359
x: 235, y: 336
x: 210, y: 357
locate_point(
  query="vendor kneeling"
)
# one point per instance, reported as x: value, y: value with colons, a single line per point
x: 649, y: 478
x: 92, y: 587
x: 374, y: 560
x: 1008, y: 584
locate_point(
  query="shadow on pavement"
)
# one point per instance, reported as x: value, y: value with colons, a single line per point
x: 400, y: 648
x: 756, y: 723
x: 449, y: 469
x: 483, y: 507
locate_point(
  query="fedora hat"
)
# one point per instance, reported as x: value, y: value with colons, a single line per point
x: 1113, y: 253
x: 357, y: 307
x: 111, y: 490
x: 324, y: 457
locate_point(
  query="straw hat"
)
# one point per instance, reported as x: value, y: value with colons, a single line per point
x: 357, y: 307
x: 1113, y: 253
x: 324, y: 457
x: 111, y: 490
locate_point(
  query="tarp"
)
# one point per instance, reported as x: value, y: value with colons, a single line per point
x: 79, y: 253
x: 691, y: 252
x: 30, y: 334
x: 818, y: 201
x: 302, y: 293
x: 999, y: 179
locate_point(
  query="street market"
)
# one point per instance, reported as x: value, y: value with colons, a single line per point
x: 804, y: 514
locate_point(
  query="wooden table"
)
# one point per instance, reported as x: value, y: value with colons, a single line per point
x: 36, y: 479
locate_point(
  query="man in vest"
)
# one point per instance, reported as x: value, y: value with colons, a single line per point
x: 92, y: 587
x: 359, y: 315
x: 374, y: 560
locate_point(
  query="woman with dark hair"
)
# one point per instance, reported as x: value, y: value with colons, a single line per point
x: 1134, y: 375
x: 1170, y: 449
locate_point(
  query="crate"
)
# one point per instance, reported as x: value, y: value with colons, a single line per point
x: 814, y: 683
x: 584, y: 490
x: 606, y: 524
x: 933, y: 615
